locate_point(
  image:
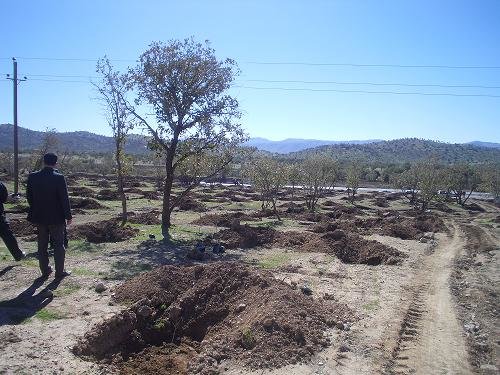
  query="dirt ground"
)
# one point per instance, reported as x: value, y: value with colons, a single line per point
x: 432, y: 311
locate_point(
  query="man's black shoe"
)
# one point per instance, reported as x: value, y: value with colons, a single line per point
x: 63, y: 274
x: 47, y: 273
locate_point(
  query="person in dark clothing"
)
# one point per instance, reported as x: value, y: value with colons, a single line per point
x: 5, y: 231
x: 50, y: 211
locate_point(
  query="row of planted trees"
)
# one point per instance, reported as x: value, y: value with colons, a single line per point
x: 421, y: 183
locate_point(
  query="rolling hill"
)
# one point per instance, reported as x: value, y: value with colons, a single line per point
x: 80, y: 141
x: 397, y: 151
x: 406, y: 150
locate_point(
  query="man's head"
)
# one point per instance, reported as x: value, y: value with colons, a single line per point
x: 50, y: 159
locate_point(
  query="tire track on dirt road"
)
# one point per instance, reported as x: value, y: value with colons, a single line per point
x: 430, y: 339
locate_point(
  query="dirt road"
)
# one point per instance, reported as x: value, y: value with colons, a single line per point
x: 431, y: 339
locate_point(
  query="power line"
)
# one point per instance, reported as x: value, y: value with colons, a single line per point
x: 314, y: 90
x: 373, y: 84
x: 289, y: 63
x: 374, y: 65
x: 368, y: 92
x: 67, y: 59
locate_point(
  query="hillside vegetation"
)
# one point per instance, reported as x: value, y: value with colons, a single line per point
x: 407, y: 150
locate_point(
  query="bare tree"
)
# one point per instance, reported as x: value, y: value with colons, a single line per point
x: 319, y: 174
x: 293, y: 174
x: 50, y: 143
x: 186, y: 86
x: 112, y: 89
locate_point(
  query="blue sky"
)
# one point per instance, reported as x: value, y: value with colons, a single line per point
x: 449, y: 33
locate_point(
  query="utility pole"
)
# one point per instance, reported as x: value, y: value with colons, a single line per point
x: 15, y: 82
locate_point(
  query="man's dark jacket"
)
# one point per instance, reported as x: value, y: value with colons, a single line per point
x: 47, y: 195
x: 3, y: 196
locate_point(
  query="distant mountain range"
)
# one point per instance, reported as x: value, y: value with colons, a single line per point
x: 292, y: 144
x: 80, y: 141
x: 407, y: 150
x: 395, y: 151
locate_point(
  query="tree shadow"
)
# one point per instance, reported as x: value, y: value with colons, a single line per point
x: 27, y: 303
x: 150, y: 254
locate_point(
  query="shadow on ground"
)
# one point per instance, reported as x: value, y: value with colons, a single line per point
x: 27, y: 303
x: 150, y: 254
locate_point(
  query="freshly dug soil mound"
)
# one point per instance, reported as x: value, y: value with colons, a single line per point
x: 148, y: 218
x: 221, y: 311
x: 84, y: 203
x: 474, y: 207
x: 292, y: 207
x: 190, y: 204
x: 429, y: 223
x: 22, y: 228
x: 244, y: 236
x: 355, y: 249
x: 152, y: 195
x: 223, y: 220
x: 82, y: 191
x: 102, y: 231
x: 108, y: 195
x: 381, y: 202
x: 133, y: 190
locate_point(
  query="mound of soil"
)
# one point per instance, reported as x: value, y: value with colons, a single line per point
x: 108, y: 195
x: 102, y: 231
x: 352, y: 248
x: 223, y: 220
x: 84, y: 203
x: 148, y: 218
x: 203, y: 315
x: 152, y: 195
x: 22, y: 228
x: 324, y: 226
x: 133, y: 190
x: 82, y: 191
x: 244, y: 236
x: 103, y: 183
x: 292, y: 207
x: 381, y: 202
x: 474, y: 207
x: 190, y: 204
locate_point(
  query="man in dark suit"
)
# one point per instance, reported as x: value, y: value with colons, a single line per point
x: 5, y: 231
x: 47, y: 195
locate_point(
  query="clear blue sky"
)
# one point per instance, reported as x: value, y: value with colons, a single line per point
x: 451, y: 33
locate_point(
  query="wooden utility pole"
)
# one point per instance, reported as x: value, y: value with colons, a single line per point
x: 15, y: 81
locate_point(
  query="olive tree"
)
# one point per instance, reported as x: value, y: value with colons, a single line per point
x: 353, y: 178
x: 491, y: 180
x: 268, y: 177
x: 186, y: 87
x: 112, y: 89
x: 463, y: 180
x: 318, y: 175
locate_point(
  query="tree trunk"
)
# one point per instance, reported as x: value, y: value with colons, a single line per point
x: 121, y: 183
x: 167, y: 197
x: 275, y: 210
x: 166, y: 212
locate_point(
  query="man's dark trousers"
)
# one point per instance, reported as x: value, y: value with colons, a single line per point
x: 9, y: 239
x: 56, y: 234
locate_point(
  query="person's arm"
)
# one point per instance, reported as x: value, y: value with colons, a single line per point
x: 29, y: 191
x: 3, y: 193
x: 64, y: 199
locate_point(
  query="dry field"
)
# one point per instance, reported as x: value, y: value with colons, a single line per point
x: 370, y: 288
